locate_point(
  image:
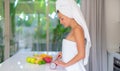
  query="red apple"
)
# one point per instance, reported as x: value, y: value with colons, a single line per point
x: 47, y: 59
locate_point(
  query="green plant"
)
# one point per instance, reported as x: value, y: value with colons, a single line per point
x: 12, y: 16
x: 1, y: 33
x: 58, y: 34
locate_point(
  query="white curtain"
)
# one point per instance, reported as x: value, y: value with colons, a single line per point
x: 93, y: 11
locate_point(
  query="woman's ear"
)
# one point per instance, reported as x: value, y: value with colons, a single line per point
x: 57, y: 11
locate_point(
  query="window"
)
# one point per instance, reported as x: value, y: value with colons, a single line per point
x: 1, y: 30
x: 35, y: 26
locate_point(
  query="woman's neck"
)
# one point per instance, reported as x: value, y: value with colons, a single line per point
x: 73, y: 24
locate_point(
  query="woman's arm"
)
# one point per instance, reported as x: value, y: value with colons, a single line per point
x: 79, y: 38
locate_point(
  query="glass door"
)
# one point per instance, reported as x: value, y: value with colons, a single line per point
x: 35, y: 26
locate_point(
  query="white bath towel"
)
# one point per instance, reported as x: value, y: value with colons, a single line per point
x: 69, y: 50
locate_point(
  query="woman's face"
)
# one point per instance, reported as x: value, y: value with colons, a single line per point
x: 64, y: 20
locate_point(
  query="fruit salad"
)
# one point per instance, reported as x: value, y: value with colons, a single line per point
x: 39, y: 59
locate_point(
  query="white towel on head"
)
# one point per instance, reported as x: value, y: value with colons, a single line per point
x: 70, y: 9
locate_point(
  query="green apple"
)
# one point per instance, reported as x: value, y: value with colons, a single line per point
x: 41, y: 62
x: 33, y: 60
x: 28, y: 59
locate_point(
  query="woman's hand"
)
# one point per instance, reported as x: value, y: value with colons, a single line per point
x: 61, y: 63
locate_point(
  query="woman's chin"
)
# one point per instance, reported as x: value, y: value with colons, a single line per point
x: 65, y: 26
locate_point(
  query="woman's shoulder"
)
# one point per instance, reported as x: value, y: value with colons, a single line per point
x: 78, y: 33
x: 78, y: 29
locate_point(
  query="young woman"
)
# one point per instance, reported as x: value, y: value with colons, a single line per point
x: 75, y: 50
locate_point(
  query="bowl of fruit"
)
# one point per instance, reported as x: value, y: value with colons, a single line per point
x: 39, y: 59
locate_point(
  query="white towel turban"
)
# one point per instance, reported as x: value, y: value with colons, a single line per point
x: 70, y: 9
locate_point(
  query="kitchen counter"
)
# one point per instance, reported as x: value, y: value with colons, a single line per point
x: 114, y: 54
x: 111, y: 56
x: 18, y: 63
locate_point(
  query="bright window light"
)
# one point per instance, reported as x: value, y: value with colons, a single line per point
x: 52, y: 15
x: 34, y: 15
x: 46, y: 1
x: 33, y: 0
x: 0, y: 65
x: 78, y: 5
x: 40, y: 19
x: 16, y: 3
x: 0, y: 18
x: 21, y: 16
x: 26, y: 18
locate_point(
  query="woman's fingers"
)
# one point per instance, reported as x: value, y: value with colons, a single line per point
x: 59, y: 55
x: 56, y: 62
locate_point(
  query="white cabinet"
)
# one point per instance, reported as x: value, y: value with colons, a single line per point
x: 110, y: 61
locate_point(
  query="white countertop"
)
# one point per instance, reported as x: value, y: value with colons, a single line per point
x: 114, y: 54
x: 18, y: 63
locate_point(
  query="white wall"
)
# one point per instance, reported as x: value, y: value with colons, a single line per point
x: 112, y: 23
